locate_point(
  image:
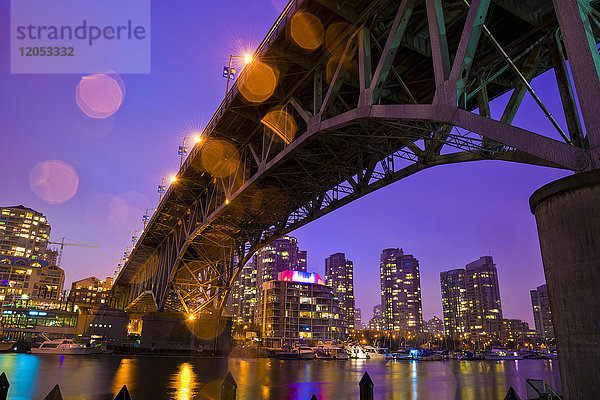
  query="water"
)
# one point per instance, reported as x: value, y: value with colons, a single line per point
x: 101, y: 377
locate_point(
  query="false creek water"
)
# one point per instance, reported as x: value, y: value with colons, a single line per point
x: 100, y: 377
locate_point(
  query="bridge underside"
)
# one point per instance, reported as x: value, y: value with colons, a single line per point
x: 405, y: 86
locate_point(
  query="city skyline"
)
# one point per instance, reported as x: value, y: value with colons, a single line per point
x: 444, y: 208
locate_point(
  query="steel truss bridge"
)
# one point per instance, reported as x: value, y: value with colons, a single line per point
x: 409, y: 89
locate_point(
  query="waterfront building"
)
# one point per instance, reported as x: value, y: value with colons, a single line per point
x: 542, y: 315
x: 483, y: 298
x: 358, y: 319
x: 298, y: 307
x: 243, y: 295
x: 454, y: 302
x: 22, y: 277
x: 281, y: 255
x: 514, y: 333
x: 90, y: 291
x: 339, y: 275
x: 24, y: 232
x: 376, y: 323
x: 435, y: 326
x: 400, y: 291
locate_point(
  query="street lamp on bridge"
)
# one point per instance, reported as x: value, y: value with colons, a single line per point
x: 229, y: 73
x: 183, y: 151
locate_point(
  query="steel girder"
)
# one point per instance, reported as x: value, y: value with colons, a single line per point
x: 397, y: 98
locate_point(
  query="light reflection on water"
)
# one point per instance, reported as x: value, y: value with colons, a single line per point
x: 180, y: 378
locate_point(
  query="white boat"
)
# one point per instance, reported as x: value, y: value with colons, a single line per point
x: 304, y: 353
x: 373, y: 353
x: 502, y: 354
x: 61, y: 346
x: 336, y: 352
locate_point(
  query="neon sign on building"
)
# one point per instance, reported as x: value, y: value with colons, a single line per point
x: 301, y: 277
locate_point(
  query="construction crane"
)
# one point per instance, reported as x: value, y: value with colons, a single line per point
x: 63, y: 244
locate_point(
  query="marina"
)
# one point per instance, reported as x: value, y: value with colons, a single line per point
x: 150, y: 377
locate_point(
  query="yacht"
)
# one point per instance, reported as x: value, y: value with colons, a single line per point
x: 373, y: 353
x: 336, y: 352
x: 60, y: 346
x: 502, y: 354
x: 304, y: 353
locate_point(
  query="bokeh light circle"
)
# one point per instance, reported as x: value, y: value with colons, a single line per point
x: 307, y: 30
x: 100, y: 95
x: 259, y: 82
x: 336, y: 37
x: 54, y: 181
x: 281, y: 125
x: 219, y: 157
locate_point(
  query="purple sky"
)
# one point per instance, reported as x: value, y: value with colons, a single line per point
x: 446, y: 216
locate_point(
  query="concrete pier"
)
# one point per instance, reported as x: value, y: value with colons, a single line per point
x: 567, y: 212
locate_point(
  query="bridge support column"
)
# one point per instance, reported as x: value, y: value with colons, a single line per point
x: 567, y: 212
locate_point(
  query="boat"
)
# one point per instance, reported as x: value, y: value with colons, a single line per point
x: 336, y: 352
x: 323, y: 353
x: 7, y: 345
x: 356, y: 352
x: 61, y: 346
x: 373, y: 353
x: 304, y: 353
x: 503, y: 354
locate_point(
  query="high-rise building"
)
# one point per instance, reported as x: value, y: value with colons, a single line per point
x: 483, y: 297
x: 376, y: 323
x: 24, y: 232
x: 299, y: 307
x: 400, y: 291
x: 471, y: 300
x: 243, y: 295
x: 454, y: 302
x: 281, y: 255
x: 339, y: 275
x: 358, y: 319
x: 542, y: 315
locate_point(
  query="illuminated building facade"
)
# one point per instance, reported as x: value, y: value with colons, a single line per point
x: 376, y: 323
x: 281, y: 255
x: 298, y: 307
x: 25, y: 278
x: 339, y: 275
x: 24, y: 232
x: 483, y: 297
x: 454, y: 302
x: 400, y: 291
x: 542, y: 315
x: 243, y: 295
x: 435, y: 326
x: 358, y: 319
x: 514, y: 333
x: 90, y: 291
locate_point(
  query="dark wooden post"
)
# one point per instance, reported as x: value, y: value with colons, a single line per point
x: 511, y: 394
x: 313, y: 397
x: 366, y: 387
x: 228, y: 388
x: 54, y: 394
x: 123, y: 394
x: 4, y: 385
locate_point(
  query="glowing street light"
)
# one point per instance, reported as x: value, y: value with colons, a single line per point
x: 162, y: 188
x: 183, y: 151
x: 229, y: 73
